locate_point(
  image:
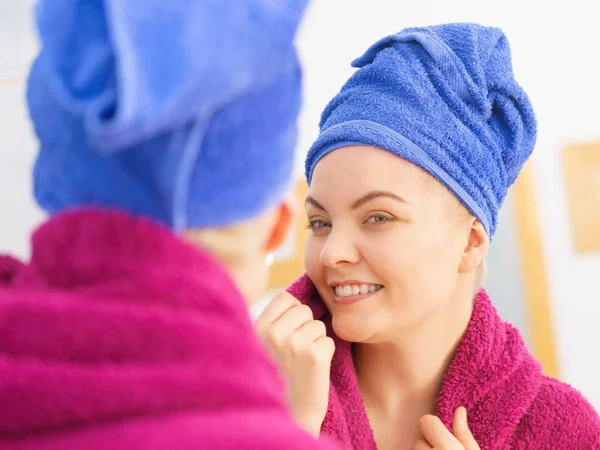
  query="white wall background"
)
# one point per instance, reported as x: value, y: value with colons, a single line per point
x: 18, y: 213
x: 556, y: 49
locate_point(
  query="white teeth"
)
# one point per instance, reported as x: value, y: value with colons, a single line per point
x: 350, y: 290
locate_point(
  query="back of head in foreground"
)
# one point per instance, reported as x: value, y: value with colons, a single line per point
x: 155, y: 121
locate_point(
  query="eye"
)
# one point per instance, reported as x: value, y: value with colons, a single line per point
x: 317, y: 224
x: 318, y: 227
x: 378, y: 218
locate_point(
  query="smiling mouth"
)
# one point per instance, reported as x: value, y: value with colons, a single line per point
x: 351, y: 293
x: 351, y: 290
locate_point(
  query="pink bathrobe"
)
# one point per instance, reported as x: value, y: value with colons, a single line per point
x: 510, y: 403
x: 118, y: 335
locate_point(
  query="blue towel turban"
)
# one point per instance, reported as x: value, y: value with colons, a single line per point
x: 181, y: 110
x: 445, y: 99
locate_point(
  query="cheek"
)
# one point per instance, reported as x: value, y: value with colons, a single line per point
x: 393, y: 254
x: 317, y: 271
x: 406, y: 260
x: 312, y: 259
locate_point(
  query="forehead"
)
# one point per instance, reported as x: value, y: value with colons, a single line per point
x: 353, y: 171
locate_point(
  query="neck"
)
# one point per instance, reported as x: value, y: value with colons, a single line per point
x: 249, y: 280
x: 406, y: 371
x: 249, y: 273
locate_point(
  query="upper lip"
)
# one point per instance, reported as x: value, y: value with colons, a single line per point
x: 334, y: 284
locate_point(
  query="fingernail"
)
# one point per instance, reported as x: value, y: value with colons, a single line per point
x: 463, y: 414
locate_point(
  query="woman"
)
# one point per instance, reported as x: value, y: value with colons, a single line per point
x: 414, y: 159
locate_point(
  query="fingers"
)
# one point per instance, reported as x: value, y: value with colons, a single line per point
x: 276, y: 308
x: 461, y: 431
x: 301, y: 342
x: 287, y: 327
x: 293, y: 318
x: 325, y: 350
x: 311, y: 342
x: 310, y: 331
x: 303, y: 351
x: 278, y: 333
x: 436, y: 434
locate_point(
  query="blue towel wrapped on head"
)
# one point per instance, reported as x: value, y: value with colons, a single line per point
x: 183, y: 110
x: 445, y: 99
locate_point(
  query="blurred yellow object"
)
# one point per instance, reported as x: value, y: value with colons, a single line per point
x: 534, y: 273
x: 582, y: 176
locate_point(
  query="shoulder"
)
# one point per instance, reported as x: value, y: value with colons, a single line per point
x: 559, y: 417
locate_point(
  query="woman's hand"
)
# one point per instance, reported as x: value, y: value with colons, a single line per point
x: 436, y: 436
x: 303, y: 351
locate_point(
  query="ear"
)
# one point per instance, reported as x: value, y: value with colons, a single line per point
x: 283, y: 223
x: 478, y: 244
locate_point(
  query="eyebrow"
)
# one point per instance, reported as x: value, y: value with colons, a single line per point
x: 376, y: 194
x: 370, y: 196
x: 316, y: 204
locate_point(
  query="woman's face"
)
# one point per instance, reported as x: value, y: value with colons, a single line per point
x: 386, y: 245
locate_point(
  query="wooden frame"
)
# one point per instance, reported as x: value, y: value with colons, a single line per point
x: 582, y: 175
x: 534, y: 273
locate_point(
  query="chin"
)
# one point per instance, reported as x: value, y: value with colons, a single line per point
x: 351, y: 327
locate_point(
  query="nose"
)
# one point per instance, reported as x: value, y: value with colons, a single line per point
x: 339, y: 248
